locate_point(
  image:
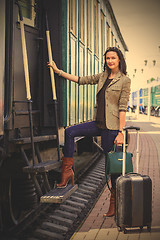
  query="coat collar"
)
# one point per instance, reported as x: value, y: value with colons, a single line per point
x: 103, y: 79
x: 116, y: 78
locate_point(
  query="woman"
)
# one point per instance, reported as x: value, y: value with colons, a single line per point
x: 113, y: 89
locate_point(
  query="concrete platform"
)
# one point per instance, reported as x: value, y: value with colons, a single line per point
x: 95, y: 226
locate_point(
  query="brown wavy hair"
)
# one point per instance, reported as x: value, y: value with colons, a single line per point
x: 122, y: 62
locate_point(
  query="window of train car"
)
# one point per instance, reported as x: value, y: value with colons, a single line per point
x: 89, y: 24
x: 96, y: 27
x: 103, y: 37
x: 81, y: 20
x: 115, y: 43
x: 108, y: 35
x: 29, y: 12
x: 73, y: 16
x: 112, y: 39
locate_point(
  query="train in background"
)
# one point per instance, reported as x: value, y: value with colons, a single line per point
x: 143, y: 100
x: 30, y: 133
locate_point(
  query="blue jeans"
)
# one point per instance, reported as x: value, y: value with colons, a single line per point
x: 89, y: 129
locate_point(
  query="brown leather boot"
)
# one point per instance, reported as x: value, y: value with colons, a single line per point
x: 111, y: 211
x: 67, y: 172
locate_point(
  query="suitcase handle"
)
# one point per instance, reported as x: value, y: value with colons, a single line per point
x: 131, y: 127
x: 124, y: 149
x: 132, y: 173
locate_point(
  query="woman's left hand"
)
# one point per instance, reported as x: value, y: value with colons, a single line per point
x: 119, y: 139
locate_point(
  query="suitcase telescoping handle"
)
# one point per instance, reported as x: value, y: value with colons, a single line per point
x: 124, y: 148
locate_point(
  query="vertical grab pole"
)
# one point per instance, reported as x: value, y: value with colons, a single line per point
x: 52, y: 82
x: 50, y: 59
x: 27, y: 83
x: 137, y: 152
x: 124, y: 153
x: 24, y: 53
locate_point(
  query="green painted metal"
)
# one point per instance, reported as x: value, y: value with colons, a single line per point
x: 78, y: 101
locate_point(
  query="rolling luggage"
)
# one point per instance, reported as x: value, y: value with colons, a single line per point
x: 133, y: 204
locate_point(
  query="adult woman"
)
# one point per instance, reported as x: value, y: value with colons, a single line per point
x: 113, y: 89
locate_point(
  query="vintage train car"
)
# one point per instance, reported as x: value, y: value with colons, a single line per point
x: 31, y: 129
x: 143, y: 100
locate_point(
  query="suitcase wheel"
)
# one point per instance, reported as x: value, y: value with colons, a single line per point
x: 119, y: 229
x: 124, y: 231
x: 149, y: 228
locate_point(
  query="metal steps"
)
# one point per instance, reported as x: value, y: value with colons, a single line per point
x: 42, y: 167
x: 58, y: 195
x: 36, y: 139
x: 73, y: 208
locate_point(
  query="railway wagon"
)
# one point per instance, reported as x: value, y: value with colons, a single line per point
x: 143, y: 100
x: 32, y: 127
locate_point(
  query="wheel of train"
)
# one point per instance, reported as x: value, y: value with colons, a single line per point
x: 16, y: 197
x: 10, y: 211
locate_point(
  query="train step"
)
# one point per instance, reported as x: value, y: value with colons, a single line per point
x: 22, y: 112
x: 36, y: 139
x: 42, y: 167
x: 58, y: 195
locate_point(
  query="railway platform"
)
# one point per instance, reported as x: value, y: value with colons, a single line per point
x: 95, y: 226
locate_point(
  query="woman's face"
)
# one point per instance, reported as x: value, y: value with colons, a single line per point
x: 112, y: 60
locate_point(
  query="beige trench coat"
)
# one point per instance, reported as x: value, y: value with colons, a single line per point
x: 116, y: 95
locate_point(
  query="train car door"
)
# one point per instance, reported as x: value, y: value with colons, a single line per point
x: 31, y: 13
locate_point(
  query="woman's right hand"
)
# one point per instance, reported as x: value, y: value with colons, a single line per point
x: 53, y: 66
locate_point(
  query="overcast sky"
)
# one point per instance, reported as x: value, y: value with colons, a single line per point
x: 139, y: 22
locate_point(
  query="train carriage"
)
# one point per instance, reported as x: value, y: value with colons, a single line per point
x: 32, y: 128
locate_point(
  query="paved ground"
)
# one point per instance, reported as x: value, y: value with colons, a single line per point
x: 95, y: 226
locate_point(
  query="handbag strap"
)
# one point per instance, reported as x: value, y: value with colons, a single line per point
x: 106, y: 167
x: 114, y: 148
x: 107, y: 181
